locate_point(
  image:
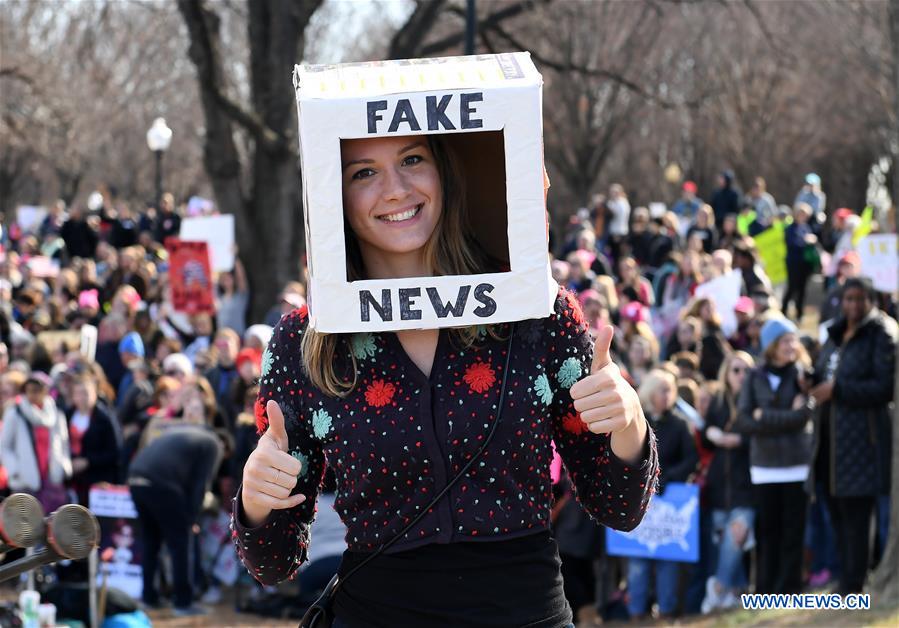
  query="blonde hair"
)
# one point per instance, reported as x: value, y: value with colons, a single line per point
x: 450, y: 250
x: 651, y: 383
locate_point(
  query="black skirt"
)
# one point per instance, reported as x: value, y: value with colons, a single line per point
x: 516, y: 582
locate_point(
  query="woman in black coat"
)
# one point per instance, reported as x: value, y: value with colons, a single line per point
x: 94, y: 438
x: 773, y: 410
x: 852, y: 436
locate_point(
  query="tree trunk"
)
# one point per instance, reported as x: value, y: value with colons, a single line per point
x: 268, y: 216
x: 885, y: 582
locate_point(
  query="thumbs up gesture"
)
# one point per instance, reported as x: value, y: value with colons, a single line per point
x: 605, y: 401
x: 270, y: 473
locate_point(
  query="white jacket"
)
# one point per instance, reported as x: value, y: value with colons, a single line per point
x: 17, y: 449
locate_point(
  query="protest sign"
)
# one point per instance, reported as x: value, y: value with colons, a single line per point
x: 218, y: 233
x: 724, y: 292
x: 190, y: 276
x: 669, y: 530
x: 880, y: 257
x: 486, y: 110
x: 119, y: 538
x: 30, y: 217
x: 43, y: 267
x: 772, y: 247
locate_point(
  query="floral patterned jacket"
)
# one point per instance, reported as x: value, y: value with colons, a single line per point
x: 400, y: 436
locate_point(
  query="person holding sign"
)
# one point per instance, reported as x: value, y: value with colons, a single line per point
x: 399, y: 416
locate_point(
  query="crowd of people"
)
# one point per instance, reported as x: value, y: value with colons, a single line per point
x: 787, y: 435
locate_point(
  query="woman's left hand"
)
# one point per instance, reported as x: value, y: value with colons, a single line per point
x: 607, y: 404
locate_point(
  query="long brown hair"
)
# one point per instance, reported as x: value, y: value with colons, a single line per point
x: 451, y: 250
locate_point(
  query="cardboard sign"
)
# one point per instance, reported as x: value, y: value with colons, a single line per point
x: 772, y: 246
x: 880, y: 258
x: 119, y: 538
x: 30, y: 217
x: 487, y: 111
x: 669, y: 531
x: 218, y: 233
x: 190, y: 276
x: 724, y: 292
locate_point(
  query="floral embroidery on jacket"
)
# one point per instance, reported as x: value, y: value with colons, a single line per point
x: 569, y: 373
x: 379, y: 393
x: 321, y: 423
x: 480, y: 377
x: 543, y: 389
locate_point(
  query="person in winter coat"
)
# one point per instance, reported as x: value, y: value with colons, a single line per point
x: 94, y: 438
x: 726, y: 199
x: 852, y: 438
x: 774, y: 412
x: 728, y: 490
x: 34, y: 445
x: 677, y: 460
x: 799, y: 237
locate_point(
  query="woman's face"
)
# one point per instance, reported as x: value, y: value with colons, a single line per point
x: 35, y: 394
x: 736, y: 373
x: 638, y: 354
x: 84, y: 396
x: 787, y: 350
x: 687, y: 265
x: 702, y: 220
x: 663, y: 397
x: 686, y: 335
x: 192, y: 405
x: 856, y: 305
x: 392, y: 194
x: 705, y: 311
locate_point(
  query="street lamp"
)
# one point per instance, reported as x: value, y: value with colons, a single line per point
x: 158, y: 139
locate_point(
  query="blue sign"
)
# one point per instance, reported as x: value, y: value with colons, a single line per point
x: 669, y: 531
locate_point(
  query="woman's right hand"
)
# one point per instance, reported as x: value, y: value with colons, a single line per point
x: 270, y: 473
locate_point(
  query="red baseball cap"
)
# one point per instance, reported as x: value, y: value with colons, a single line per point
x: 690, y: 186
x: 843, y: 213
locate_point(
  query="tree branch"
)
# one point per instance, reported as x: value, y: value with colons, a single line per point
x: 201, y: 24
x: 494, y: 19
x: 406, y: 41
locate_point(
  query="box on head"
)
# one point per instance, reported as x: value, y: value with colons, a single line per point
x: 487, y: 112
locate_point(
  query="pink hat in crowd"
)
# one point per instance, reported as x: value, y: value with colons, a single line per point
x: 588, y: 295
x: 89, y: 298
x: 745, y: 305
x: 633, y: 312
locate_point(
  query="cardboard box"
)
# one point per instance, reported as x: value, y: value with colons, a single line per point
x: 488, y: 110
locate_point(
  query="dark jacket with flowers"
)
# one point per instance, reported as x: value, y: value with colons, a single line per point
x: 400, y: 436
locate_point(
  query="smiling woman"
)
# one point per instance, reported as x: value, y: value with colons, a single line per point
x: 409, y: 204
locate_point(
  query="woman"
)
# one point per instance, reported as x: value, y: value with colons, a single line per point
x: 714, y: 347
x: 233, y: 298
x: 94, y: 437
x: 728, y: 490
x: 629, y: 277
x: 677, y: 459
x: 773, y: 412
x: 398, y: 414
x: 855, y: 373
x: 704, y: 229
x: 800, y: 239
x: 34, y: 445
